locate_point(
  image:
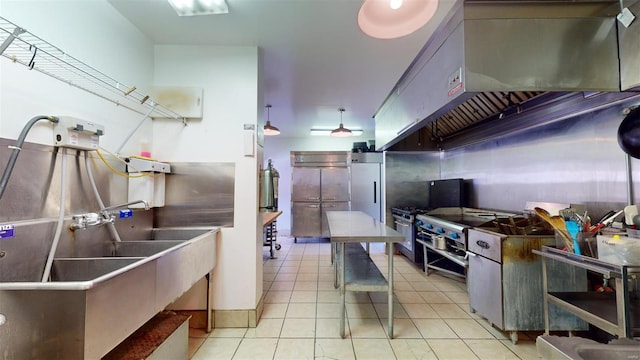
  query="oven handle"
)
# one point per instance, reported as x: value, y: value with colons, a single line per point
x: 468, y: 253
x: 402, y: 224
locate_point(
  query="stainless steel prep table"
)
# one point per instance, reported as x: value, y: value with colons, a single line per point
x: 359, y: 273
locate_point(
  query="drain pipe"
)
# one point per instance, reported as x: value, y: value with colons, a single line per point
x: 56, y: 237
x: 110, y: 225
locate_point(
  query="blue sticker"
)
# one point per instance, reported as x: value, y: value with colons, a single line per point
x: 126, y: 213
x: 6, y: 231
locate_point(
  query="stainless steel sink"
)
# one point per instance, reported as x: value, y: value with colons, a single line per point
x: 609, y: 352
x: 576, y: 348
x: 93, y: 303
x: 115, y: 256
x: 141, y: 248
x: 83, y: 269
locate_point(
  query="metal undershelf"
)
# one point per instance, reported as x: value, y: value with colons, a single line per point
x: 361, y: 273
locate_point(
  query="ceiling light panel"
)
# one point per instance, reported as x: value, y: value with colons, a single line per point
x: 199, y: 7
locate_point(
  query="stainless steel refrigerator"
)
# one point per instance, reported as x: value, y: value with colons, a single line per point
x: 320, y: 182
x: 366, y: 186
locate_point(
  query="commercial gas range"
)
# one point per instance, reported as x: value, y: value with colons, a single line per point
x: 404, y: 222
x: 443, y: 233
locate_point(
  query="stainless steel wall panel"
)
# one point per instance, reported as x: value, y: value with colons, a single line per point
x: 33, y: 190
x: 629, y: 45
x: 198, y: 194
x: 406, y: 177
x: 573, y: 161
x: 34, y: 187
x: 25, y: 254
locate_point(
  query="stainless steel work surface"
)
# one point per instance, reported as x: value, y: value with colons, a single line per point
x: 346, y: 226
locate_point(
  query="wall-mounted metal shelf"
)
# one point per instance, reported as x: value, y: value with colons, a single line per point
x: 20, y: 46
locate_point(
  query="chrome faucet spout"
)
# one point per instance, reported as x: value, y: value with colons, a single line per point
x: 146, y: 205
x: 105, y: 216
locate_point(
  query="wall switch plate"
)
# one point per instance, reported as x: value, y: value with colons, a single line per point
x: 248, y: 143
x: 626, y: 17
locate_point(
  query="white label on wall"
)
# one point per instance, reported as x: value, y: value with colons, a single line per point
x: 94, y: 141
x: 73, y: 138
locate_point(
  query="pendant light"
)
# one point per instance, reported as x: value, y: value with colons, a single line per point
x: 270, y: 130
x: 341, y: 131
x: 392, y: 19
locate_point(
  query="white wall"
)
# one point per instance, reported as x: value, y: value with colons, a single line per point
x: 230, y: 79
x: 92, y: 32
x: 95, y: 33
x: 278, y: 149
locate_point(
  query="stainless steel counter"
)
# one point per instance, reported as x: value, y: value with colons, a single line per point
x: 615, y: 313
x: 356, y: 226
x: 353, y: 268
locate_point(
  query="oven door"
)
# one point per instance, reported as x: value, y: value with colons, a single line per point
x: 404, y: 227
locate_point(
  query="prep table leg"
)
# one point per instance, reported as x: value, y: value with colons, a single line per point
x: 342, y: 291
x: 209, y: 278
x: 390, y: 291
x: 545, y: 290
x: 334, y: 254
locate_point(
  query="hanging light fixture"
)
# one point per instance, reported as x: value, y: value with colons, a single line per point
x: 341, y: 131
x: 390, y: 19
x: 270, y: 130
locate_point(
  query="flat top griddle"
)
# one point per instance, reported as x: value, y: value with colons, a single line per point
x: 469, y: 217
x: 468, y: 220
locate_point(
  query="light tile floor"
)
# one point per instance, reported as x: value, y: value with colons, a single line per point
x: 301, y: 317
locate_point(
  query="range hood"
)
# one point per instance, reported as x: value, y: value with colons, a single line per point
x: 504, y: 60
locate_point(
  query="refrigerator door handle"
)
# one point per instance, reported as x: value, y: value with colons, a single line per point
x: 329, y: 205
x: 375, y: 193
x: 313, y: 198
x: 315, y: 206
x: 330, y: 199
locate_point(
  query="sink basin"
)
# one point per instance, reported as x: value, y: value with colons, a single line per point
x: 577, y: 348
x: 609, y: 352
x: 141, y: 248
x: 100, y: 300
x: 114, y: 257
x: 83, y: 269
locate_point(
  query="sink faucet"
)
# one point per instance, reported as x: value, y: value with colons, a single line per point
x: 146, y: 205
x: 104, y: 216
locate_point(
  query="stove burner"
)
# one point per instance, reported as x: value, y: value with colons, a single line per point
x: 408, y: 210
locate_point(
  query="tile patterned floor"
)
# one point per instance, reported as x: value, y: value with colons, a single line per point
x: 300, y: 319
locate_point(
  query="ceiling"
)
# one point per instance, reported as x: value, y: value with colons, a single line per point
x: 315, y: 57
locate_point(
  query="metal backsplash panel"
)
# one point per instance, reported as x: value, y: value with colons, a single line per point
x: 198, y: 194
x: 407, y: 175
x: 573, y: 161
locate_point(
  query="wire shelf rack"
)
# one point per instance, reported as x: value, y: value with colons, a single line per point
x: 20, y: 46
